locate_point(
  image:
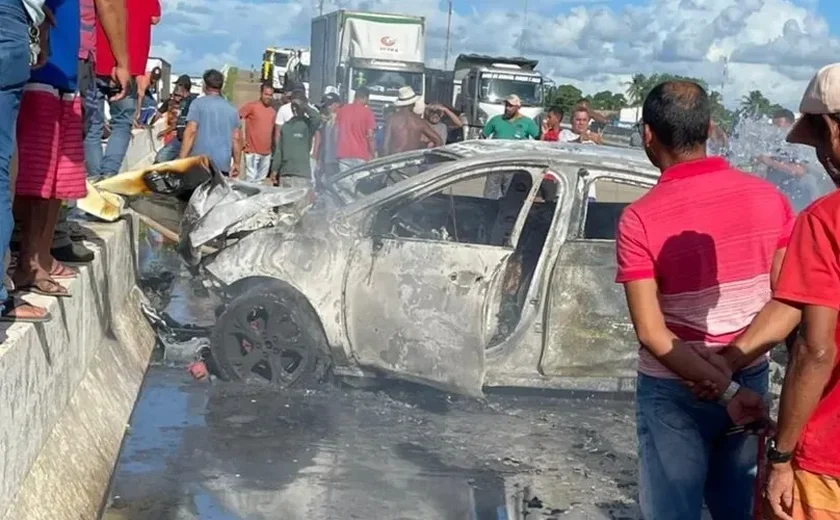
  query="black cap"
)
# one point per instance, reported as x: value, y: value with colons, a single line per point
x: 329, y: 99
x: 184, y: 81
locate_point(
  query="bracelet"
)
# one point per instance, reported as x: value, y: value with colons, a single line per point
x: 729, y: 394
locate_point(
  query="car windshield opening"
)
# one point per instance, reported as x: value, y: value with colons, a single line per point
x: 606, y: 200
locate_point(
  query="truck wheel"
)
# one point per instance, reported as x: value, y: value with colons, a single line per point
x: 270, y: 334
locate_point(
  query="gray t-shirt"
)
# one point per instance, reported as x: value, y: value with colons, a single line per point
x: 217, y: 119
x: 442, y: 130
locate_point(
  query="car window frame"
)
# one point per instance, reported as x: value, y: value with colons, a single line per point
x: 589, y: 176
x: 441, y: 183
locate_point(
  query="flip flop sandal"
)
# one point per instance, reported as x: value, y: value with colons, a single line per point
x: 12, y: 304
x: 32, y: 288
x: 62, y: 272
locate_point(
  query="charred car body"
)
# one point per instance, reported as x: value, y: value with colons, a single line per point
x: 403, y: 268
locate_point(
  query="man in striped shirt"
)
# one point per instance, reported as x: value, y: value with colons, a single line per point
x: 696, y: 255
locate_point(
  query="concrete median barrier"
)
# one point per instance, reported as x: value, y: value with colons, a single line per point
x: 67, y: 387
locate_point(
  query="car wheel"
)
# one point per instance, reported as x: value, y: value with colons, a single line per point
x: 270, y: 334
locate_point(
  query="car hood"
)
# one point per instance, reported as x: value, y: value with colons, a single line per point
x: 223, y: 208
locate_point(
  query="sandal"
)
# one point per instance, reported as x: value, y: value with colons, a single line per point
x: 37, y: 287
x: 60, y: 271
x: 13, y: 304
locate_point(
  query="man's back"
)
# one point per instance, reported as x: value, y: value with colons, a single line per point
x: 354, y: 123
x: 217, y: 120
x: 708, y: 233
x: 405, y: 132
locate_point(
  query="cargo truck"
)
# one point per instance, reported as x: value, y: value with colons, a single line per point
x: 482, y: 83
x: 275, y: 66
x: 382, y: 52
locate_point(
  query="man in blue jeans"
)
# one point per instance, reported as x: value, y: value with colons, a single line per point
x: 14, y: 55
x: 695, y: 272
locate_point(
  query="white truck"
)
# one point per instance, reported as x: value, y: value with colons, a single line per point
x: 482, y: 83
x: 382, y: 52
x: 299, y: 68
x: 276, y: 65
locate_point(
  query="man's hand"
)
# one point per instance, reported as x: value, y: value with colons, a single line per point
x: 155, y: 20
x: 234, y: 171
x: 746, y: 407
x: 708, y: 390
x: 121, y: 77
x: 778, y: 492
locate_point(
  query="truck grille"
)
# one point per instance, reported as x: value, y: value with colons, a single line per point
x: 378, y: 108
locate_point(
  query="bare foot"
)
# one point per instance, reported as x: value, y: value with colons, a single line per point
x: 14, y: 310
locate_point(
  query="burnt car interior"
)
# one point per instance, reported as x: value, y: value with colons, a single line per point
x: 459, y: 213
x: 603, y: 213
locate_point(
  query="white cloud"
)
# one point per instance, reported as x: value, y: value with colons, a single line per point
x: 772, y: 45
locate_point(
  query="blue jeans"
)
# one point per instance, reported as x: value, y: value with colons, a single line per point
x: 14, y: 72
x: 109, y: 162
x: 686, y: 456
x: 349, y: 164
x: 169, y: 152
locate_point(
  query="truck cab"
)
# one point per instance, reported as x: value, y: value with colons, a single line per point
x: 275, y: 66
x: 482, y: 83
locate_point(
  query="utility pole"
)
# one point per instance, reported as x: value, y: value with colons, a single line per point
x: 448, y: 36
x: 524, y: 25
x: 321, y: 8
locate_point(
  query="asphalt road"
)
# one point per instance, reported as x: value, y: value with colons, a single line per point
x: 217, y: 451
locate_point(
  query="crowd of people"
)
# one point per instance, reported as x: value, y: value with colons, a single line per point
x: 61, y: 62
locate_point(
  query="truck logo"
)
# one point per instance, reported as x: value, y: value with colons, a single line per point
x: 387, y: 41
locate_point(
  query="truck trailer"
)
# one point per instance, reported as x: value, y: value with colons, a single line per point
x: 382, y: 52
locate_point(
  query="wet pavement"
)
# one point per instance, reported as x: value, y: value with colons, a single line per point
x: 218, y: 451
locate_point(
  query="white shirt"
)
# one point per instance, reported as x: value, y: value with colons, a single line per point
x: 284, y: 115
x: 567, y: 136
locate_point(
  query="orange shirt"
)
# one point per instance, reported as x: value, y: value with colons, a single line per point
x: 259, y: 124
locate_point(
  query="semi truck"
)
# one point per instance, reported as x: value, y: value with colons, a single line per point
x: 482, y: 83
x: 382, y: 52
x: 298, y: 72
x: 275, y: 66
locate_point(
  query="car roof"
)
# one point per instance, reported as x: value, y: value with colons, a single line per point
x: 479, y: 152
x: 475, y: 147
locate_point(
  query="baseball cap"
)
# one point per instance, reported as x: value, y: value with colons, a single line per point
x: 513, y: 100
x: 821, y: 97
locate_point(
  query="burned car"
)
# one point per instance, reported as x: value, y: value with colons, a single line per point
x: 404, y: 268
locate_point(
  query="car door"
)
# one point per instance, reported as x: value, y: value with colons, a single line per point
x: 588, y: 331
x: 416, y: 301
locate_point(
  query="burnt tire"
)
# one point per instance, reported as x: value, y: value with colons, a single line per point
x: 270, y: 334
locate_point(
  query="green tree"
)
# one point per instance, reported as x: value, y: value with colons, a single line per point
x: 721, y: 116
x: 606, y: 100
x: 755, y: 104
x: 637, y: 89
x: 563, y: 97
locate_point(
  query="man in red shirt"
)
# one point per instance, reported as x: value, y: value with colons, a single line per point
x: 140, y: 15
x: 804, y: 458
x: 355, y: 124
x: 695, y: 273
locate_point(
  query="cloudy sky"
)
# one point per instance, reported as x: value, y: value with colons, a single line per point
x: 771, y: 45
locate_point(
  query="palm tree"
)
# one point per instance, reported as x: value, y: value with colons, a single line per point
x: 637, y: 89
x: 755, y: 104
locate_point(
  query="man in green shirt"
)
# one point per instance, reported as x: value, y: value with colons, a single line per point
x: 510, y: 125
x: 292, y: 158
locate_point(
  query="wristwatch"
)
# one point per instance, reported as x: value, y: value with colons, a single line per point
x: 774, y: 456
x: 729, y: 394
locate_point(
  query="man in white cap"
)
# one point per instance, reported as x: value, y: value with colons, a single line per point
x: 804, y: 461
x: 510, y: 125
x: 405, y: 129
